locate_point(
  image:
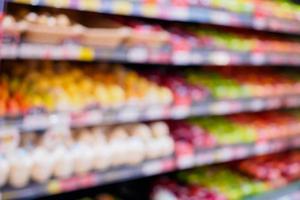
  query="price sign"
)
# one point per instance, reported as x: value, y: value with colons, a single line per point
x: 181, y: 57
x: 219, y: 17
x: 154, y: 112
x: 86, y: 118
x: 241, y: 152
x: 128, y: 114
x: 87, y: 181
x: 223, y: 154
x: 168, y: 164
x: 58, y: 3
x: 186, y: 161
x: 204, y: 158
x: 256, y: 104
x: 122, y: 7
x: 70, y: 184
x: 86, y: 54
x: 180, y: 13
x: 222, y: 107
x: 138, y: 54
x: 261, y: 147
x: 24, y: 1
x: 35, y: 121
x: 53, y: 187
x: 219, y: 58
x: 150, y: 10
x: 92, y: 5
x: 179, y: 112
x: 260, y: 22
x: 258, y: 58
x: 152, y: 167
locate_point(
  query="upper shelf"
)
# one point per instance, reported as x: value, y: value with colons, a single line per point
x: 185, y: 13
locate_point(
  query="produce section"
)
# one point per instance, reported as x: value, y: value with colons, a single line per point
x: 231, y: 182
x: 158, y: 100
x: 172, y: 44
x: 281, y: 16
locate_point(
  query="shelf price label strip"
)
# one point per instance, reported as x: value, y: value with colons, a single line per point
x: 184, y: 13
x: 142, y: 55
x: 33, y: 122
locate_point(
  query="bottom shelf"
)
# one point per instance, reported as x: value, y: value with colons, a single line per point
x: 289, y: 192
x: 152, y: 167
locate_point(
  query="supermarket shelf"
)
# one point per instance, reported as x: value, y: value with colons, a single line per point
x: 289, y: 192
x: 177, y: 13
x: 42, y: 121
x: 140, y: 54
x: 153, y: 167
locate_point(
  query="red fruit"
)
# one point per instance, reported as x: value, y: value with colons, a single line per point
x: 2, y: 108
x: 13, y: 107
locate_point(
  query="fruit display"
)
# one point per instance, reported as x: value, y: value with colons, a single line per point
x: 184, y: 93
x: 61, y: 153
x: 286, y: 9
x: 62, y: 87
x: 104, y: 33
x: 230, y: 183
x: 207, y: 132
x: 239, y: 180
x: 279, y: 8
x: 230, y: 83
x: 38, y: 28
x: 170, y: 189
x: 284, y: 167
x: 92, y: 106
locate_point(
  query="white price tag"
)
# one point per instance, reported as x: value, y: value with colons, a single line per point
x: 274, y: 103
x: 8, y: 51
x: 220, y: 107
x: 261, y: 148
x: 257, y: 104
x: 292, y: 101
x: 186, y: 161
x: 155, y: 112
x: 94, y: 117
x: 223, y: 154
x: 179, y: 112
x: 180, y: 13
x: 258, y: 58
x: 219, y: 58
x: 203, y: 158
x: 181, y: 57
x: 220, y: 17
x: 128, y: 115
x: 33, y: 122
x: 260, y: 23
x: 137, y: 54
x: 152, y: 168
x: 241, y: 152
x: 196, y: 58
x: 296, y: 142
x: 60, y: 118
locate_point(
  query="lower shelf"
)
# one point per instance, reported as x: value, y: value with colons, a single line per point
x: 289, y: 192
x: 152, y: 167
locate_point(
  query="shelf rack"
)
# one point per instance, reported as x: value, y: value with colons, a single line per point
x: 152, y: 167
x: 184, y: 13
x: 42, y: 121
x: 140, y: 54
